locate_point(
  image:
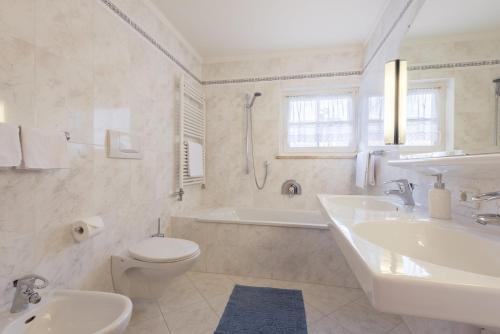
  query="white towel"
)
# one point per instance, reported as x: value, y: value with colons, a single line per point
x: 10, y: 145
x: 195, y: 159
x: 362, y: 162
x: 44, y: 149
x: 371, y: 179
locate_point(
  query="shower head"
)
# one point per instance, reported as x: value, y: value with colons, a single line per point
x: 255, y: 95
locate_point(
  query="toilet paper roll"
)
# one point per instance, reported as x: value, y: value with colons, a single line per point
x: 86, y: 228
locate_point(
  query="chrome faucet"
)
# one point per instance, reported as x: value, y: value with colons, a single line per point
x: 404, y: 191
x: 487, y: 218
x: 25, y: 292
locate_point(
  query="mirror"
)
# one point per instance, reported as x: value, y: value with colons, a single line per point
x: 453, y: 54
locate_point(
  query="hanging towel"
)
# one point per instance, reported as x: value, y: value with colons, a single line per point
x: 44, y: 149
x: 362, y: 161
x: 195, y: 159
x: 371, y: 179
x: 10, y: 145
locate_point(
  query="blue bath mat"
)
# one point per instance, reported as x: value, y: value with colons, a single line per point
x: 253, y: 310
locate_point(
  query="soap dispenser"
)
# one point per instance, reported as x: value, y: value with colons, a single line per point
x: 439, y: 200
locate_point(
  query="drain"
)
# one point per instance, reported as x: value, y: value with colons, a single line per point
x: 30, y: 319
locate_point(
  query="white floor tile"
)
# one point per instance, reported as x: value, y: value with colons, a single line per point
x: 193, y: 319
x: 360, y: 317
x: 150, y: 326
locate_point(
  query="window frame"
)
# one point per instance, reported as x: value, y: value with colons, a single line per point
x: 443, y: 111
x: 319, y: 152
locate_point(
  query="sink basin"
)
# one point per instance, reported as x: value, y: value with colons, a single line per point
x: 434, y: 244
x: 74, y: 312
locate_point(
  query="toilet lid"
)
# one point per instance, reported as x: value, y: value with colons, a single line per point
x: 163, y: 250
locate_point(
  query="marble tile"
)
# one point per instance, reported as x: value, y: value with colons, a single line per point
x: 64, y: 96
x: 313, y: 315
x: 62, y: 27
x: 50, y: 77
x: 19, y: 20
x: 328, y: 299
x: 360, y: 317
x: 327, y: 326
x: 17, y: 62
x: 401, y: 329
x: 143, y: 310
x: 180, y: 293
x: 192, y: 319
x: 253, y: 281
x: 151, y: 326
x: 210, y: 285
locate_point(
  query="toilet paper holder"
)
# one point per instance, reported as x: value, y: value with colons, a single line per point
x: 86, y: 228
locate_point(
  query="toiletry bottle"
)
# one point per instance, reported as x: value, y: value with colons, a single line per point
x: 439, y: 200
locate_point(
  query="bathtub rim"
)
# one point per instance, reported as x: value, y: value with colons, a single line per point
x: 198, y: 217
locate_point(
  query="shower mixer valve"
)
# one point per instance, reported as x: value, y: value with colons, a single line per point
x: 291, y: 188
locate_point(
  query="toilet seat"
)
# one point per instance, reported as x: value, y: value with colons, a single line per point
x: 164, y: 250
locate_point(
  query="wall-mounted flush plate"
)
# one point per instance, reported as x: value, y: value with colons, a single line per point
x: 465, y: 197
x: 123, y: 145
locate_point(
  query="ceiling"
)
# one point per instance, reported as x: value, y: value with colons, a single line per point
x: 234, y: 28
x: 456, y: 17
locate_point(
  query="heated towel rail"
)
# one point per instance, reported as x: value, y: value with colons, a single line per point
x: 191, y: 127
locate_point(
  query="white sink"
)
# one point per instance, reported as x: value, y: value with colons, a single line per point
x: 435, y: 244
x: 410, y: 264
x: 73, y: 312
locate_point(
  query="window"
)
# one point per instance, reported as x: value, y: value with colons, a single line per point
x: 319, y: 123
x: 425, y: 118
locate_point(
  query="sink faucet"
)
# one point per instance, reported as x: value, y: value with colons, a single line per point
x: 25, y: 292
x: 404, y: 191
x: 487, y: 218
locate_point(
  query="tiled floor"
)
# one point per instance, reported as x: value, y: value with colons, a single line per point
x: 195, y: 301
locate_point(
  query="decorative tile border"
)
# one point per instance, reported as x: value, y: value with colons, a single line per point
x: 282, y: 77
x: 169, y: 55
x: 148, y: 37
x: 454, y: 65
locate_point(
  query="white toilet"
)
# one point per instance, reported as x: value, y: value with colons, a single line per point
x: 151, y: 265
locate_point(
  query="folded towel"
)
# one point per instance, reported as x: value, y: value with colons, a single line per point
x: 362, y: 161
x: 10, y: 145
x: 44, y: 149
x: 195, y: 159
x: 371, y: 179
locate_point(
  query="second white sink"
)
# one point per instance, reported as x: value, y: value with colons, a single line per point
x: 429, y: 242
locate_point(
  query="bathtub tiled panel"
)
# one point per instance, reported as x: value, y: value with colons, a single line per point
x: 298, y: 254
x: 76, y: 66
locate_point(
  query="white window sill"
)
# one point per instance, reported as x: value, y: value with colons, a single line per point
x: 340, y: 155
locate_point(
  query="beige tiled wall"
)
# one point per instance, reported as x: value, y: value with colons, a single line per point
x: 76, y: 66
x: 227, y: 182
x: 283, y: 253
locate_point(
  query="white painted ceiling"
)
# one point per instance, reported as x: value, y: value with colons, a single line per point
x: 232, y: 28
x: 456, y: 17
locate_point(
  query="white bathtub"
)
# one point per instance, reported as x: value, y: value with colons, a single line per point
x: 266, y: 217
